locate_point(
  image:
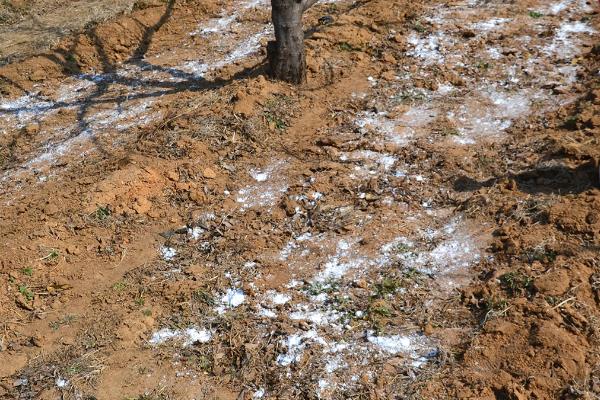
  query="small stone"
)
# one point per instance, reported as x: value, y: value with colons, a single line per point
x: 388, y: 58
x: 73, y: 250
x: 305, y: 326
x: 289, y: 206
x: 142, y: 205
x: 37, y: 340
x: 209, y: 173
x: 389, y: 76
x: 229, y: 204
x: 21, y: 302
x: 38, y: 75
x: 153, y: 213
x: 67, y: 341
x: 196, y: 215
x: 173, y: 175
x: 198, y: 196
x: 362, y: 283
x: 182, y: 186
x: 244, y: 106
x: 428, y: 329
x: 20, y: 382
x: 371, y: 197
x: 51, y: 209
x: 553, y: 283
x: 196, y: 270
x: 32, y: 129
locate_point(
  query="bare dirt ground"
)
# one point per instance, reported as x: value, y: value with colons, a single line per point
x: 29, y: 27
x: 420, y: 220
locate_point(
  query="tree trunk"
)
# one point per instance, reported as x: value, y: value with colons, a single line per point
x: 286, y: 54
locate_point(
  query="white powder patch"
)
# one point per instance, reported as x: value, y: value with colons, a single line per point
x: 118, y: 117
x: 61, y: 383
x: 194, y: 335
x: 488, y: 113
x: 243, y: 50
x: 195, y: 232
x: 259, y: 394
x: 369, y: 162
x: 568, y: 73
x: 556, y: 8
x: 566, y: 41
x: 259, y: 176
x: 372, y: 160
x: 412, y: 346
x: 219, y: 25
x: 189, y: 336
x: 26, y: 109
x: 121, y: 117
x: 494, y: 53
x: 196, y: 68
x: 265, y: 196
x: 294, y: 244
x: 163, y: 335
x: 55, y: 151
x: 450, y: 254
x: 392, y: 344
x: 341, y: 262
x: 287, y: 250
x: 266, y: 192
x: 490, y: 25
x: 509, y: 105
x: 231, y: 299
x: 335, y: 363
x: 429, y: 49
x: 264, y: 312
x: 215, y: 25
x: 33, y: 107
x: 316, y: 317
x: 295, y: 345
x: 455, y: 249
x: 381, y: 123
x: 323, y: 386
x: 445, y: 88
x: 277, y: 298
x: 167, y: 253
x: 68, y: 93
x: 320, y: 298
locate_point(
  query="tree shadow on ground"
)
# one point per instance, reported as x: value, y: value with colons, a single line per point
x: 557, y: 179
x: 179, y: 81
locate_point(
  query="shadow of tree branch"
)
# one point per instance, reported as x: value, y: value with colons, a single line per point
x: 102, y: 83
x: 556, y: 179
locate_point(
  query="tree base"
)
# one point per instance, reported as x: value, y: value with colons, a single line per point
x: 286, y: 54
x: 286, y: 66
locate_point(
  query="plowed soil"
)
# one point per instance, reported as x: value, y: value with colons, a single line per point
x: 420, y: 220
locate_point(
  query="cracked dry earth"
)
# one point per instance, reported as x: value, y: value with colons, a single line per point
x: 418, y: 221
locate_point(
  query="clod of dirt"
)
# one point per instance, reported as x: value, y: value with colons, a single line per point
x: 209, y: 173
x: 553, y: 283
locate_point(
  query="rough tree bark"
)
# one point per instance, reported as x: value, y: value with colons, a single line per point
x: 286, y: 54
